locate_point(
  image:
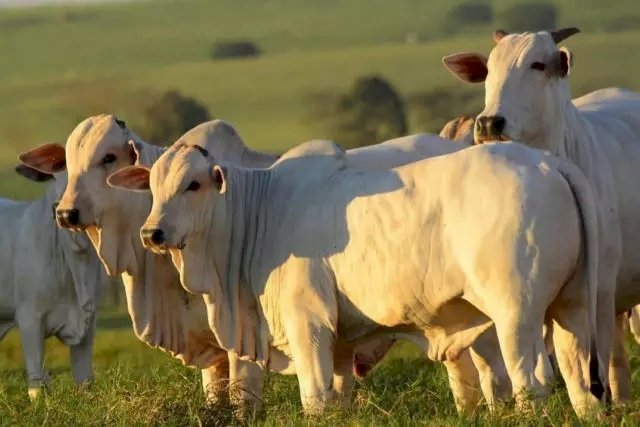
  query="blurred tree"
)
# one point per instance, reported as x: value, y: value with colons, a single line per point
x: 234, y: 49
x: 470, y: 13
x: 171, y: 115
x: 370, y: 113
x: 430, y: 111
x: 532, y: 16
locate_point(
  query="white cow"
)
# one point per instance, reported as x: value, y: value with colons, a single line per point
x: 310, y: 256
x: 481, y: 368
x: 101, y: 145
x: 528, y: 99
x: 50, y: 283
x: 163, y: 314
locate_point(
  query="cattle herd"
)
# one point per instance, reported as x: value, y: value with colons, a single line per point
x: 517, y: 245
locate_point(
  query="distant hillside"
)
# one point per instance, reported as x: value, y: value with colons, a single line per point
x: 32, y: 3
x: 61, y: 64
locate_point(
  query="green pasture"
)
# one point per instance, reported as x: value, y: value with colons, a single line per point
x: 59, y: 65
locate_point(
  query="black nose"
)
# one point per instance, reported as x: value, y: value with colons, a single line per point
x: 68, y: 217
x: 153, y: 236
x: 490, y: 126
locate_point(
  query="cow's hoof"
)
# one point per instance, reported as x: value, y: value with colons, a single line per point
x: 35, y: 391
x: 85, y: 384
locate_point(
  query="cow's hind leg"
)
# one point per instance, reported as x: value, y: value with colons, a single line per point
x: 32, y: 338
x: 572, y: 340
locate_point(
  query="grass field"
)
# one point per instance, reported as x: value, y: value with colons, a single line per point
x: 59, y: 65
x: 136, y: 385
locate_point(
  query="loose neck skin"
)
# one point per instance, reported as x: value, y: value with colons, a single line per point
x: 155, y: 299
x: 568, y: 134
x: 41, y: 212
x: 235, y: 221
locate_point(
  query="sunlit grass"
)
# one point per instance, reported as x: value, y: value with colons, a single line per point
x: 136, y: 385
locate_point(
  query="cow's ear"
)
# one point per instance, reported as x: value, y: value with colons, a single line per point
x: 219, y: 174
x: 133, y: 178
x: 32, y: 174
x: 565, y: 62
x: 47, y: 158
x: 468, y: 67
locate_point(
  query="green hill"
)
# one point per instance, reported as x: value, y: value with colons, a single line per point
x: 62, y: 64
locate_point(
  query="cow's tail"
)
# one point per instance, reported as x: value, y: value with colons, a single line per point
x: 585, y: 201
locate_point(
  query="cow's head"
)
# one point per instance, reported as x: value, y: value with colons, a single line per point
x: 97, y: 147
x: 79, y: 244
x: 525, y: 85
x: 186, y: 190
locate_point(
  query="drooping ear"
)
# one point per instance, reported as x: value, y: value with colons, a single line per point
x: 499, y: 35
x: 563, y: 34
x: 47, y: 158
x: 564, y: 62
x: 133, y: 178
x: 468, y: 67
x: 135, y: 150
x: 220, y: 178
x: 32, y: 174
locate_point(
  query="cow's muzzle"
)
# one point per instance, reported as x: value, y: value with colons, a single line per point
x: 68, y: 218
x: 154, y: 239
x: 152, y: 236
x: 490, y: 128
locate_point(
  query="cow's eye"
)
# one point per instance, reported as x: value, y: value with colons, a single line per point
x: 540, y: 66
x: 108, y: 159
x: 193, y: 186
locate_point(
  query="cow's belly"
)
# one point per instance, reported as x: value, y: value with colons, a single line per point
x: 67, y: 321
x: 7, y: 297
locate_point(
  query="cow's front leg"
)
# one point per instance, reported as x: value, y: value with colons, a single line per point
x: 464, y: 383
x: 246, y: 381
x: 619, y: 371
x: 492, y: 372
x: 311, y: 348
x: 215, y: 378
x: 32, y: 338
x: 82, y: 356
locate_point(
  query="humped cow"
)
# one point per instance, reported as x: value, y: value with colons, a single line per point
x: 112, y: 218
x: 50, y: 284
x: 163, y: 314
x: 400, y: 253
x: 528, y: 99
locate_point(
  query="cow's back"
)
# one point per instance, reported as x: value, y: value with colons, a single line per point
x: 400, y: 151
